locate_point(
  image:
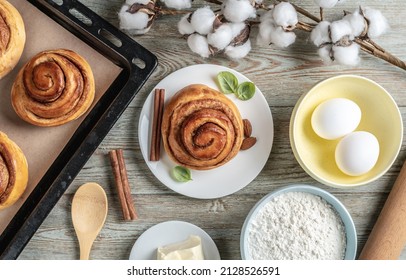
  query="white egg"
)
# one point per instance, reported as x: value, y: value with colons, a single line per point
x: 357, y: 153
x: 335, y: 118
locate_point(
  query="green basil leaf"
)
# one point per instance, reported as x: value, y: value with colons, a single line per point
x: 245, y: 91
x: 228, y: 82
x: 181, y: 174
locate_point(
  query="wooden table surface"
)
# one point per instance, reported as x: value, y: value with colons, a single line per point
x: 283, y: 76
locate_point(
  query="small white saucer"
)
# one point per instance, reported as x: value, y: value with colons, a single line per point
x: 167, y: 233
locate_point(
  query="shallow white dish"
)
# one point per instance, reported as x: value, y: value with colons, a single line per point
x: 232, y: 176
x: 351, y: 234
x: 167, y: 233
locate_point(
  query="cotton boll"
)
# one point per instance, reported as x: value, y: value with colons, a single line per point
x: 134, y: 23
x: 262, y: 40
x: 198, y: 44
x: 178, y: 4
x: 202, y: 20
x: 326, y: 3
x: 320, y: 33
x: 285, y: 15
x: 236, y: 28
x: 340, y: 29
x: 281, y: 38
x: 221, y: 38
x: 264, y: 36
x: 264, y: 33
x: 378, y: 24
x: 238, y: 10
x: 269, y: 33
x: 325, y: 54
x: 237, y: 52
x: 265, y: 29
x: 357, y: 23
x: 268, y: 16
x: 347, y: 55
x: 131, y: 2
x: 184, y: 26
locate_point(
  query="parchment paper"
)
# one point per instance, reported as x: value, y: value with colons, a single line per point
x: 41, y: 145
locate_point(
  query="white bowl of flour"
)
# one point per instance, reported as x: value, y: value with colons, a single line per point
x: 298, y: 222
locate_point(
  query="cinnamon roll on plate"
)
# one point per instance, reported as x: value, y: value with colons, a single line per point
x: 214, y: 179
x: 53, y: 88
x: 12, y: 37
x: 201, y: 128
x: 13, y: 172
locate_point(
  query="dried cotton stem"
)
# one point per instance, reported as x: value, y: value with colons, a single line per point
x: 172, y: 12
x: 217, y: 2
x: 372, y: 48
x: 305, y: 13
x: 304, y: 26
x: 321, y: 13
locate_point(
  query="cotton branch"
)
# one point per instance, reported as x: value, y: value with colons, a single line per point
x: 227, y: 30
x: 364, y: 41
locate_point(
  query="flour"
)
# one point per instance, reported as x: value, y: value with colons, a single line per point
x: 297, y: 226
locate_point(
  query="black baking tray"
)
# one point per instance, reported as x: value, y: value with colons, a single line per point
x: 137, y: 63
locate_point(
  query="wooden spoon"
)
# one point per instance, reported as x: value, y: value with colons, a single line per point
x: 89, y: 211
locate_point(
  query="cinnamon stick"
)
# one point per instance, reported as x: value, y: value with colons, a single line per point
x: 152, y: 154
x: 155, y: 148
x: 161, y: 112
x: 122, y: 184
x: 126, y: 185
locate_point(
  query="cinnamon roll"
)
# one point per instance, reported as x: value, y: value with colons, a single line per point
x: 53, y: 88
x: 201, y: 128
x: 13, y: 172
x: 12, y: 37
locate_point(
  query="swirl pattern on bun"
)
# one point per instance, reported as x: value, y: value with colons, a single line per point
x: 201, y: 128
x: 53, y: 88
x: 13, y: 172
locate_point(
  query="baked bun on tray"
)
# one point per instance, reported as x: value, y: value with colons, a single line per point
x: 12, y: 37
x: 13, y: 172
x: 53, y: 88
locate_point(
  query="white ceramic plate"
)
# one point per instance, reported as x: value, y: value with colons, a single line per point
x: 237, y: 173
x: 167, y: 233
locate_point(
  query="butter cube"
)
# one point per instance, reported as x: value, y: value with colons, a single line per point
x: 189, y: 249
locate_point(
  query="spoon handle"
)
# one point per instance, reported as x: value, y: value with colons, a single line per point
x: 85, y: 247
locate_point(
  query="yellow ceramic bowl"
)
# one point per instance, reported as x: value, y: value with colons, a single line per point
x: 380, y: 116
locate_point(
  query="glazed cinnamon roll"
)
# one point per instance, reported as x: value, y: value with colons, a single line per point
x: 201, y: 128
x: 53, y: 88
x: 12, y: 37
x: 13, y: 172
